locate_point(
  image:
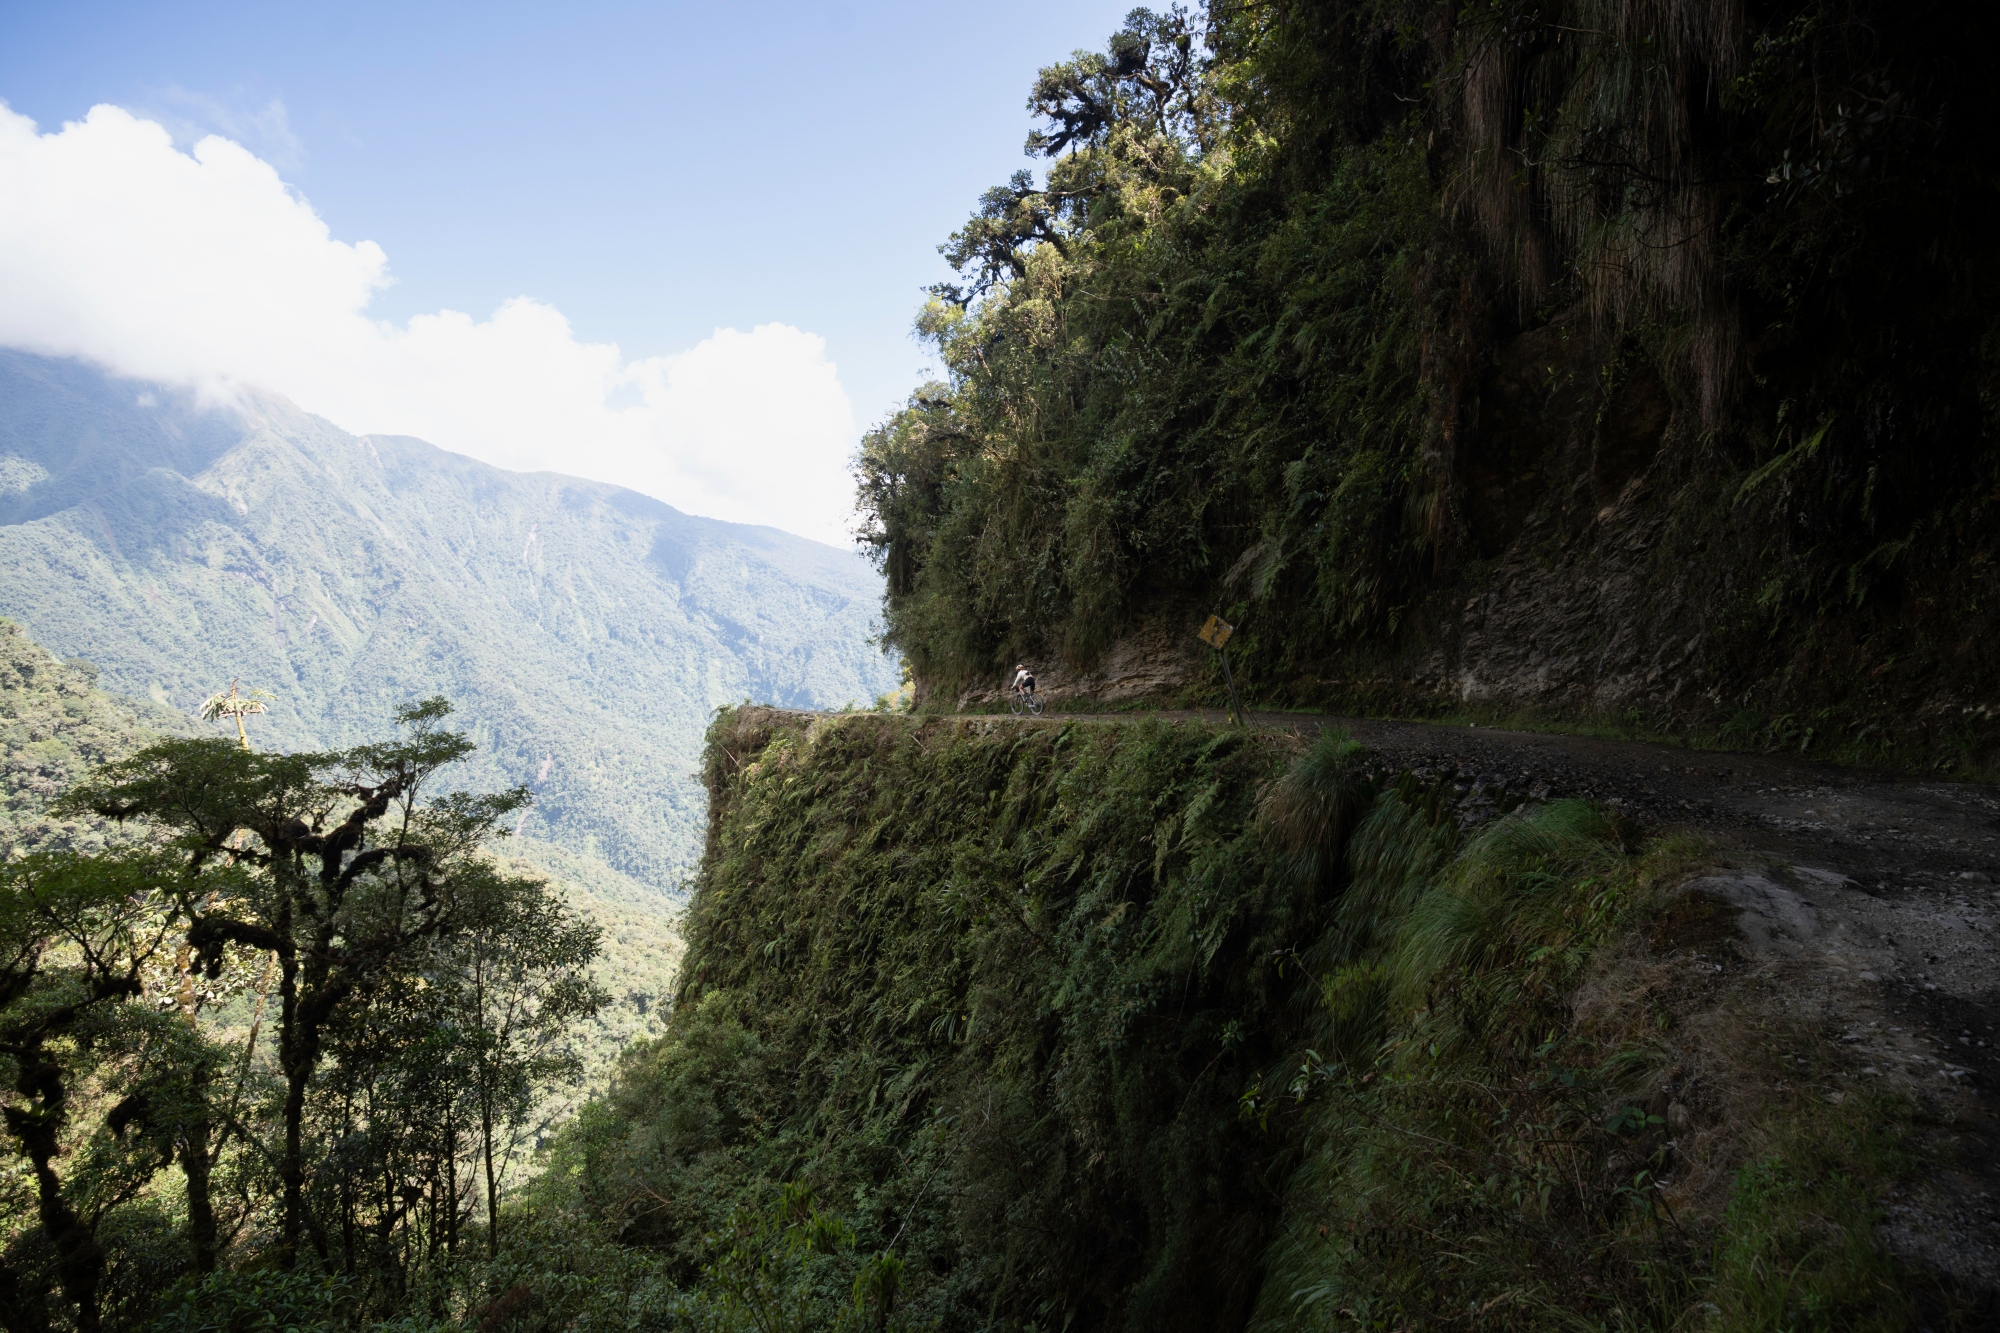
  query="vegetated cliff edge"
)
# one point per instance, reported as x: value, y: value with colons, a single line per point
x: 1147, y: 1025
x: 1630, y: 364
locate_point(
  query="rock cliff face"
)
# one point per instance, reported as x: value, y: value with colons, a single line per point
x: 1564, y: 501
x: 1616, y: 574
x: 1160, y: 660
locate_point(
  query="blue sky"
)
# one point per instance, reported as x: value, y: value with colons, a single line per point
x: 652, y: 171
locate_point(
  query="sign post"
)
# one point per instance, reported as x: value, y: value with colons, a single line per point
x: 1215, y: 633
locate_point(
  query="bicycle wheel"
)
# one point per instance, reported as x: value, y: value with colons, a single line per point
x: 1015, y: 703
x: 1035, y: 704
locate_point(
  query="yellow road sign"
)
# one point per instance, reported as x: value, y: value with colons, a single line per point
x: 1216, y: 632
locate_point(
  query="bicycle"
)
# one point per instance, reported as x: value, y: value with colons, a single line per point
x: 1024, y: 701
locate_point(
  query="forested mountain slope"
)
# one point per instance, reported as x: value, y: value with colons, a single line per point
x: 57, y: 728
x: 584, y: 631
x: 1597, y: 361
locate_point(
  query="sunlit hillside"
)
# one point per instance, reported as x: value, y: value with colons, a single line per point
x: 584, y: 632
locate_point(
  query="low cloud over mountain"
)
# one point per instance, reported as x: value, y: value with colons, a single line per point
x: 204, y: 268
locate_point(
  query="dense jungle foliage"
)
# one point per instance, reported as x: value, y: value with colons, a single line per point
x: 983, y: 1025
x: 55, y: 726
x: 987, y: 1025
x: 417, y: 1000
x: 1323, y: 309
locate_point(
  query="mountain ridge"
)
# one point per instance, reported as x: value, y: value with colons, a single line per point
x: 586, y: 632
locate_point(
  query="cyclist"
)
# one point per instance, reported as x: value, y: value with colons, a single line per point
x: 1025, y: 699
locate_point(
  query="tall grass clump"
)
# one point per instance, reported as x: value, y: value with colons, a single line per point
x: 1454, y: 1141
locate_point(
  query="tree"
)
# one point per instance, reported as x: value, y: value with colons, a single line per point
x: 461, y: 1039
x: 96, y: 1078
x: 1151, y: 72
x: 235, y: 707
x: 520, y: 964
x: 1144, y: 101
x: 354, y: 871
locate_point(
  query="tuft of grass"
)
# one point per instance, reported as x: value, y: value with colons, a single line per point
x: 1310, y: 809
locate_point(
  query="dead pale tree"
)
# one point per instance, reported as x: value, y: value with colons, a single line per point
x: 237, y: 707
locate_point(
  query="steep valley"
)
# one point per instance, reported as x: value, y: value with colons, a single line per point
x: 56, y: 726
x: 583, y: 631
x: 169, y: 546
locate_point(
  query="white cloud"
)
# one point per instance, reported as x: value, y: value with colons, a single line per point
x: 192, y: 116
x: 203, y: 267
